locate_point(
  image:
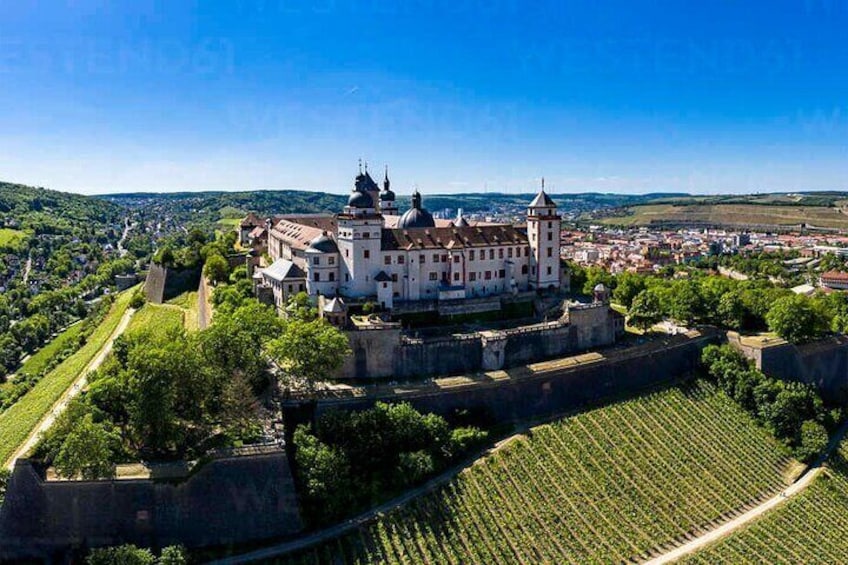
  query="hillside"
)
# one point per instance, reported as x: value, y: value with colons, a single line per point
x: 30, y: 208
x: 605, y: 486
x: 809, y: 528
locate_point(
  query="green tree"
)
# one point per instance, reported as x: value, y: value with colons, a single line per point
x: 121, y: 555
x: 795, y: 319
x: 731, y: 311
x: 216, y: 268
x: 299, y: 307
x: 627, y: 287
x: 812, y: 441
x: 686, y: 305
x: 309, y: 350
x: 173, y: 555
x: 645, y: 310
x: 87, y: 451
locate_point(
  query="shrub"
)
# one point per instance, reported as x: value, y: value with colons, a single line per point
x: 812, y: 441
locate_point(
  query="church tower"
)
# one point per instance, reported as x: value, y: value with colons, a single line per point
x: 543, y: 232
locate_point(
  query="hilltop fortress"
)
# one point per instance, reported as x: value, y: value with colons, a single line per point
x: 415, y: 266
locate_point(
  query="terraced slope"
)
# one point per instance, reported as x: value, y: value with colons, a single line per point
x: 809, y: 528
x: 605, y: 486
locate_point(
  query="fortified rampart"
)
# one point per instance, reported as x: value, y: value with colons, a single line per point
x: 385, y: 351
x: 823, y: 363
x: 535, y: 391
x: 163, y: 283
x: 229, y: 500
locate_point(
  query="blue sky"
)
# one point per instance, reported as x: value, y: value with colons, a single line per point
x: 454, y: 96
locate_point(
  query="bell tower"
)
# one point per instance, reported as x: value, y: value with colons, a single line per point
x: 543, y: 233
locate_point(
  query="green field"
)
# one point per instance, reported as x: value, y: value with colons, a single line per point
x: 605, y: 486
x: 11, y: 239
x: 156, y: 318
x: 21, y: 418
x: 808, y: 528
x: 732, y: 215
x: 232, y: 222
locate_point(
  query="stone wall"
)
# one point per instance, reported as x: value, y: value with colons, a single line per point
x: 163, y: 283
x: 823, y: 364
x: 544, y: 389
x: 387, y: 353
x: 229, y: 500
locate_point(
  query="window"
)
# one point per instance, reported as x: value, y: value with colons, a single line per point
x: 550, y: 224
x: 400, y: 259
x: 422, y: 258
x: 316, y: 277
x: 394, y: 277
x: 444, y: 258
x: 331, y: 260
x: 472, y: 277
x: 550, y: 236
x: 509, y: 253
x: 549, y: 270
x: 491, y: 254
x: 385, y: 285
x: 316, y: 260
x: 456, y: 276
x: 347, y: 277
x: 502, y: 274
x: 332, y: 277
x: 366, y: 253
x: 471, y: 255
x: 301, y: 287
x: 500, y: 253
x: 527, y: 252
x: 435, y: 257
x: 434, y: 276
x: 456, y: 258
x: 291, y: 289
x: 523, y: 269
x: 366, y: 235
x: 347, y: 252
x: 533, y: 271
x: 488, y: 275
x: 387, y: 260
x: 550, y: 252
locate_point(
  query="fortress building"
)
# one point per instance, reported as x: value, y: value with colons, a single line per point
x: 369, y: 252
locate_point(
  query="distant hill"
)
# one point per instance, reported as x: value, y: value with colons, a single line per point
x: 34, y: 208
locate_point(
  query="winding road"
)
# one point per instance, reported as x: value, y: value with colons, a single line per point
x: 78, y: 385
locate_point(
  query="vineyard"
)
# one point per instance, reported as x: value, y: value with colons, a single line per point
x: 809, y: 528
x: 609, y: 485
x: 21, y: 418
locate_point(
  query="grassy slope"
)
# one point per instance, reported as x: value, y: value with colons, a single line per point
x: 190, y: 306
x: 156, y: 318
x: 18, y: 421
x: 734, y: 214
x: 604, y: 486
x: 809, y: 528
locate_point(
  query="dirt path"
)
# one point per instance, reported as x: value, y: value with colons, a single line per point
x: 27, y: 269
x: 729, y: 527
x: 78, y: 385
x: 204, y: 308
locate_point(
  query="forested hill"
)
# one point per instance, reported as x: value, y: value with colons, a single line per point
x: 36, y: 210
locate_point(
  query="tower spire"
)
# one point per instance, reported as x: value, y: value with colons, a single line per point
x: 543, y: 183
x: 360, y: 165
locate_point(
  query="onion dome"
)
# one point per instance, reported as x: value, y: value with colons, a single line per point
x: 416, y: 217
x: 324, y: 244
x: 360, y: 200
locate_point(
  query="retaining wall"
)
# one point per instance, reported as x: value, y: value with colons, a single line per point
x: 230, y: 500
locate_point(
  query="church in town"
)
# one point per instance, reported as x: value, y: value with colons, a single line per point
x: 371, y: 252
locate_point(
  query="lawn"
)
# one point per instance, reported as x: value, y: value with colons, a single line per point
x: 21, y: 418
x: 11, y: 239
x: 610, y: 485
x: 190, y: 306
x: 157, y: 318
